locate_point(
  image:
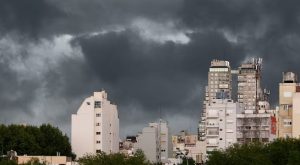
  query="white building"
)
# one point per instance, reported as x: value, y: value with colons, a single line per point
x: 95, y: 127
x: 220, y: 124
x: 219, y: 80
x: 154, y: 141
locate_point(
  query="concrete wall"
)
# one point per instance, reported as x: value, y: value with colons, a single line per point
x: 296, y: 116
x: 148, y: 142
x: 53, y: 160
x: 286, y: 92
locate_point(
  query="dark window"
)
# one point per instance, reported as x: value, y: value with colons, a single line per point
x: 97, y: 104
x: 98, y: 115
x: 98, y: 151
x: 98, y: 133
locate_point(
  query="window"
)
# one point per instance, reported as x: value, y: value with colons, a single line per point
x: 97, y: 124
x: 98, y: 141
x: 287, y: 94
x: 98, y: 151
x: 98, y: 114
x: 88, y: 103
x: 97, y: 104
x: 287, y: 122
x: 98, y: 133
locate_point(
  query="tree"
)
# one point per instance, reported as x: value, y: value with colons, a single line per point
x: 188, y: 161
x: 278, y: 152
x: 112, y: 159
x: 32, y: 140
x: 138, y: 158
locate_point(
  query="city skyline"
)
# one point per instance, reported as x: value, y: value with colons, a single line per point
x: 152, y: 57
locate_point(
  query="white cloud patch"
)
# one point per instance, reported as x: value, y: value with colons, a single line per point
x: 32, y: 60
x: 160, y: 32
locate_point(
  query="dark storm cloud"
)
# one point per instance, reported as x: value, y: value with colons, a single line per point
x: 43, y: 18
x: 141, y: 65
x: 153, y: 75
x: 267, y: 29
x: 26, y: 17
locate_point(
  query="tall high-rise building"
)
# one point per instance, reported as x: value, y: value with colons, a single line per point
x: 287, y: 99
x: 95, y: 127
x: 249, y: 90
x: 254, y: 118
x: 219, y: 82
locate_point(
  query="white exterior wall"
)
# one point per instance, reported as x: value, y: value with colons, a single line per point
x: 220, y: 124
x: 83, y: 128
x: 89, y: 120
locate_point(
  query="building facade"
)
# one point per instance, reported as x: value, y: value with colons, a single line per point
x: 187, y: 144
x: 254, y: 120
x: 95, y: 126
x: 288, y: 114
x: 220, y: 124
x: 154, y: 141
x: 249, y: 90
x: 219, y: 81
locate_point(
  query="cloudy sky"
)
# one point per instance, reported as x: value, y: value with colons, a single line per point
x: 149, y: 55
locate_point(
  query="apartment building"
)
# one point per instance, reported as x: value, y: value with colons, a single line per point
x: 95, y: 126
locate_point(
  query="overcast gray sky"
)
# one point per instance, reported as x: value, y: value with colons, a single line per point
x: 147, y: 54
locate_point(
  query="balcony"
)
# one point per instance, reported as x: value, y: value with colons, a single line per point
x: 212, y: 125
x: 212, y: 144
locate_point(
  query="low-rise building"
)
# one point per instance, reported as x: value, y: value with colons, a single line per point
x: 220, y: 124
x: 48, y: 160
x: 186, y: 144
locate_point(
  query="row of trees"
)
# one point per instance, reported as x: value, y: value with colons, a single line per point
x: 114, y: 159
x: 279, y: 152
x: 33, y: 140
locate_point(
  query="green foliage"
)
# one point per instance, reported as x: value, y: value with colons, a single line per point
x: 188, y: 161
x: 8, y: 162
x: 31, y: 140
x: 113, y: 159
x: 279, y: 152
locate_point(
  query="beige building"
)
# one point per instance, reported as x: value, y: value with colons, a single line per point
x: 296, y: 115
x: 288, y: 115
x: 249, y: 90
x: 47, y: 160
x: 187, y: 144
